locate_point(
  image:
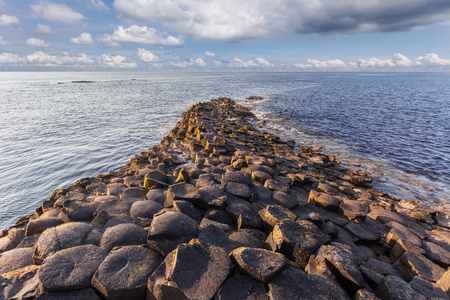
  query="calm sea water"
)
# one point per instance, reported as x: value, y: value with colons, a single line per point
x: 395, y: 125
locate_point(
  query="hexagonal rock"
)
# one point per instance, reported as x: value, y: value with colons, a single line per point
x: 212, y: 197
x: 123, y: 235
x: 284, y: 199
x: 395, y: 288
x: 352, y: 209
x: 413, y: 264
x: 169, y: 230
x: 239, y: 190
x: 237, y: 177
x: 260, y: 176
x: 38, y: 226
x: 15, y: 259
x: 276, y: 185
x: 444, y: 282
x: 74, y: 211
x: 156, y: 195
x: 12, y: 239
x: 436, y: 254
x: 144, y: 209
x: 242, y: 211
x: 70, y: 269
x: 362, y: 234
x: 252, y: 238
x: 325, y: 201
x: 20, y: 284
x: 338, y: 262
x: 295, y: 284
x: 428, y: 289
x: 187, y: 208
x: 155, y: 178
x: 191, y: 271
x: 384, y: 216
x: 115, y: 189
x: 241, y: 287
x: 259, y: 264
x: 124, y: 272
x: 64, y: 236
x: 182, y: 191
x: 274, y: 214
x: 86, y: 294
x: 364, y: 294
x: 297, y: 240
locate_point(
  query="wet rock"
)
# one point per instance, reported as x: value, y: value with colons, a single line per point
x: 12, y: 239
x: 297, y: 240
x: 325, y: 201
x: 86, y: 294
x: 428, y: 289
x: 70, y: 269
x: 38, y: 226
x: 293, y: 283
x: 239, y: 190
x: 395, y: 288
x: 122, y: 235
x: 20, y: 284
x: 339, y: 263
x: 182, y: 191
x: 212, y: 197
x: 124, y: 272
x: 191, y: 271
x: 259, y: 264
x: 14, y: 259
x: 412, y: 264
x: 284, y: 199
x: 241, y: 287
x: 64, y: 236
x: 169, y: 230
x: 144, y: 209
x: 188, y: 209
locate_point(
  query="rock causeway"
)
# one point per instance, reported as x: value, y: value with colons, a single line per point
x: 223, y: 209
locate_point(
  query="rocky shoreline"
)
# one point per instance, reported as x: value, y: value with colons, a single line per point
x: 222, y: 210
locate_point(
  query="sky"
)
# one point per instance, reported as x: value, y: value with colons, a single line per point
x: 231, y: 35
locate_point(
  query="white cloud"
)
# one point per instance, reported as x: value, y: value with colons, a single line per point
x: 98, y: 4
x: 55, y: 12
x: 6, y: 20
x: 107, y: 40
x: 43, y: 29
x: 198, y: 62
x: 210, y: 54
x: 37, y: 43
x: 10, y: 58
x: 235, y: 20
x: 397, y: 62
x: 83, y: 39
x: 42, y: 59
x: 143, y: 35
x: 3, y: 42
x: 147, y: 56
x: 257, y: 63
x: 115, y: 61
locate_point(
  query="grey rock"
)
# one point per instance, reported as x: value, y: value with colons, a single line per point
x: 395, y: 288
x: 362, y: 234
x: 241, y: 287
x: 157, y: 195
x: 144, y: 209
x: 384, y: 216
x: 123, y: 235
x: 71, y: 268
x: 155, y: 178
x: 212, y: 197
x: 237, y: 177
x: 86, y: 294
x: 436, y: 254
x: 276, y: 185
x: 364, y: 294
x: 187, y: 208
x: 15, y: 259
x: 38, y: 226
x: 208, y: 222
x: 182, y: 191
x: 259, y: 264
x: 284, y: 199
x: 124, y: 272
x: 191, y: 271
x: 274, y: 214
x: 325, y: 201
x: 295, y: 284
x: 412, y: 264
x: 12, y: 239
x: 249, y: 238
x: 428, y: 289
x: 74, y: 211
x: 239, y: 190
x: 20, y: 284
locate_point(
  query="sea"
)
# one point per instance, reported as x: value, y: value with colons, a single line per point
x: 58, y: 127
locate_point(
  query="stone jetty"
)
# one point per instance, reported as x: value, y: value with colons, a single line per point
x: 223, y: 210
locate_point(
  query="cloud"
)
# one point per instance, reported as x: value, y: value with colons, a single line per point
x: 55, y: 12
x: 10, y: 58
x: 107, y: 40
x: 147, y: 56
x: 43, y: 29
x: 143, y: 35
x: 3, y: 42
x: 7, y: 20
x: 42, y: 59
x: 83, y: 39
x: 115, y: 61
x: 397, y: 62
x: 209, y: 54
x: 37, y: 43
x: 236, y: 20
x: 257, y: 63
x: 198, y: 62
x: 98, y: 4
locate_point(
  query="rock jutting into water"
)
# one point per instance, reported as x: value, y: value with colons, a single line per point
x: 222, y: 210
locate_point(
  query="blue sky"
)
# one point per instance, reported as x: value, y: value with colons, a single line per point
x: 263, y: 35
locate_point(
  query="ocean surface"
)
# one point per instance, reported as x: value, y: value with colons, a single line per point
x: 54, y: 131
